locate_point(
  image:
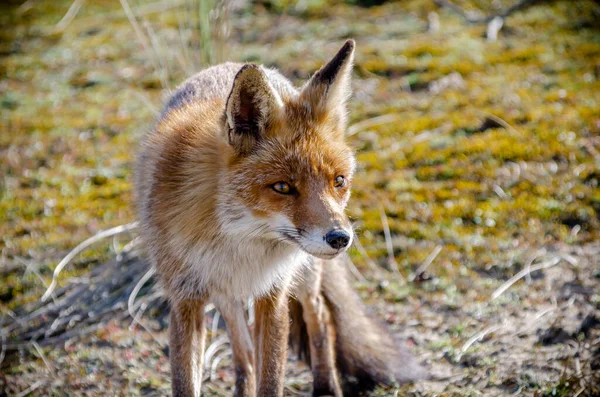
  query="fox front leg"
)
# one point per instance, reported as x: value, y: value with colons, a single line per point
x: 241, y: 344
x: 321, y: 333
x: 271, y: 332
x: 186, y: 347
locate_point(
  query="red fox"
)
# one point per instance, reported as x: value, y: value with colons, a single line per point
x: 241, y: 189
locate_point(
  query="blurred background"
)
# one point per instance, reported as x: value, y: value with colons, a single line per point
x: 477, y: 130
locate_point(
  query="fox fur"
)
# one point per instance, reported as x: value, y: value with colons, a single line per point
x: 241, y: 189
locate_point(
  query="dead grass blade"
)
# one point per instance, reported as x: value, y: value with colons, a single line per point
x: 370, y: 123
x: 215, y: 324
x: 428, y: 261
x: 69, y: 16
x: 40, y: 352
x: 500, y: 121
x: 477, y: 337
x: 30, y: 389
x: 525, y: 272
x: 92, y: 240
x: 391, y: 260
x: 143, y: 40
x: 3, y: 343
x: 131, y: 307
x: 212, y: 349
x: 215, y: 364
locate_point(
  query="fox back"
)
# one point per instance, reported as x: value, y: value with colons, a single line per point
x: 244, y: 176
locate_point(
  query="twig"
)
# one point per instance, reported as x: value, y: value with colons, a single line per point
x: 572, y: 260
x: 30, y: 388
x: 142, y: 38
x: 131, y: 303
x: 523, y: 273
x: 69, y: 16
x: 296, y: 392
x: 536, y: 255
x: 215, y: 364
x: 215, y: 324
x: 143, y: 10
x: 136, y: 26
x: 531, y: 324
x: 26, y: 6
x: 478, y: 336
x: 430, y: 258
x: 94, y: 239
x: 250, y: 312
x: 80, y: 302
x: 493, y: 28
x: 579, y: 392
x: 161, y: 61
x: 183, y: 57
x: 433, y: 20
x: 29, y: 268
x: 39, y: 350
x: 589, y: 146
x: 3, y: 342
x: 213, y: 348
x: 372, y: 122
x: 13, y: 315
x: 499, y: 120
x: 500, y: 192
x: 128, y: 247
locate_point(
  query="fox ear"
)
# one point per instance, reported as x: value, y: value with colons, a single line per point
x: 252, y: 104
x: 329, y: 88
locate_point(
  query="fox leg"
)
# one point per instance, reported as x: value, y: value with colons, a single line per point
x: 271, y: 331
x: 241, y: 344
x: 321, y: 333
x: 186, y: 347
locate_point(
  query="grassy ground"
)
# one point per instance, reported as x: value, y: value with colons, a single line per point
x: 483, y: 156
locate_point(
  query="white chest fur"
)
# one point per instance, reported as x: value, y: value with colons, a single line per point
x: 238, y: 269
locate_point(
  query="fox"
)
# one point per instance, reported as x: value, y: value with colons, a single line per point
x: 241, y: 188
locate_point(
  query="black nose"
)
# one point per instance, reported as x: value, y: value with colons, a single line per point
x: 337, y: 239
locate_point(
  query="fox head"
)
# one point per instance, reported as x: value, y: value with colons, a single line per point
x: 289, y: 172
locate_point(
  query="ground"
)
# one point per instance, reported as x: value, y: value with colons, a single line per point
x: 479, y: 160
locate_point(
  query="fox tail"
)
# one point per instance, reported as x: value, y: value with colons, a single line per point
x: 367, y: 354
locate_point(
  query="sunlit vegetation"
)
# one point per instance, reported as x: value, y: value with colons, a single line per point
x: 491, y: 151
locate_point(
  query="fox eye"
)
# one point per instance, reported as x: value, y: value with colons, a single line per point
x: 282, y: 187
x: 339, y: 181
